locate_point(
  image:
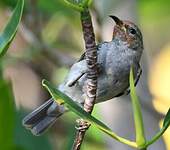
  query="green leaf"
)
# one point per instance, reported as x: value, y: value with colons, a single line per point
x: 78, y: 5
x: 7, y: 115
x: 167, y: 119
x: 140, y: 137
x: 10, y: 3
x: 10, y: 30
x: 74, y: 6
x: 11, y: 130
x: 56, y: 94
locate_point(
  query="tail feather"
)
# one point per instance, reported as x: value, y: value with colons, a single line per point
x: 37, y: 115
x: 43, y: 125
x: 43, y: 117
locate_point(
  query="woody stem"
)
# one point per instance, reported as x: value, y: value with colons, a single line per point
x: 91, y: 83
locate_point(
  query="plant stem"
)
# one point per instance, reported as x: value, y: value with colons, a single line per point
x: 140, y: 136
x: 91, y: 59
x: 91, y: 84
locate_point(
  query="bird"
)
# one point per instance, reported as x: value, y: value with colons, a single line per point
x: 114, y: 58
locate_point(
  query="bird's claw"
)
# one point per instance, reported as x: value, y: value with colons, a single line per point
x: 82, y: 125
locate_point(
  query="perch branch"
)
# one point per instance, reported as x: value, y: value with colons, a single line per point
x: 91, y: 83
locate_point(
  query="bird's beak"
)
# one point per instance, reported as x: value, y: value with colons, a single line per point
x: 117, y: 20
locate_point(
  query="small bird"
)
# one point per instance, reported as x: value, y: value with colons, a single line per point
x: 115, y: 59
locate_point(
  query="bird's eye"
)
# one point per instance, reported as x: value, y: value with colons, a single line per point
x: 132, y: 31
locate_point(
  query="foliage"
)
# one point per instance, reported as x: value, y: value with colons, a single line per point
x: 6, y: 97
x: 10, y: 30
x: 140, y: 137
x: 61, y: 98
x: 6, y: 109
x: 140, y: 143
x: 152, y: 10
x: 78, y: 5
x: 8, y: 114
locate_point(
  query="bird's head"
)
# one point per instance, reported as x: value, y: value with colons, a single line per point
x: 128, y: 32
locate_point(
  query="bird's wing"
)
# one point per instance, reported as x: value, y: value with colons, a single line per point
x: 74, y: 75
x: 73, y: 81
x: 136, y: 82
x: 77, y: 71
x: 138, y: 75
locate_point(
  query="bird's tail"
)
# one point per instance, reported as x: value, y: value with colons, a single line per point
x: 43, y: 117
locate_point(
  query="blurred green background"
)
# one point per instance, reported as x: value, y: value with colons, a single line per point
x: 48, y: 42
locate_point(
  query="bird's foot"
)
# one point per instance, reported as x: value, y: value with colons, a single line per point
x: 82, y: 125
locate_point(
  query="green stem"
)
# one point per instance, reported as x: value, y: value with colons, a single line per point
x: 140, y: 136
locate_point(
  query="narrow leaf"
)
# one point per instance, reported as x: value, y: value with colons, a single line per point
x: 140, y: 137
x: 56, y: 94
x: 73, y: 5
x: 167, y: 119
x: 7, y: 115
x: 78, y: 5
x: 10, y: 30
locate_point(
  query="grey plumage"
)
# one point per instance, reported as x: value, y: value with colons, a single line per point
x: 43, y: 117
x: 115, y: 58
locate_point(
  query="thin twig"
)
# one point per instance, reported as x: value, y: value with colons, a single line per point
x: 91, y: 84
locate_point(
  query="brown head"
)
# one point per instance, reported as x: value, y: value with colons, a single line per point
x: 128, y: 32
